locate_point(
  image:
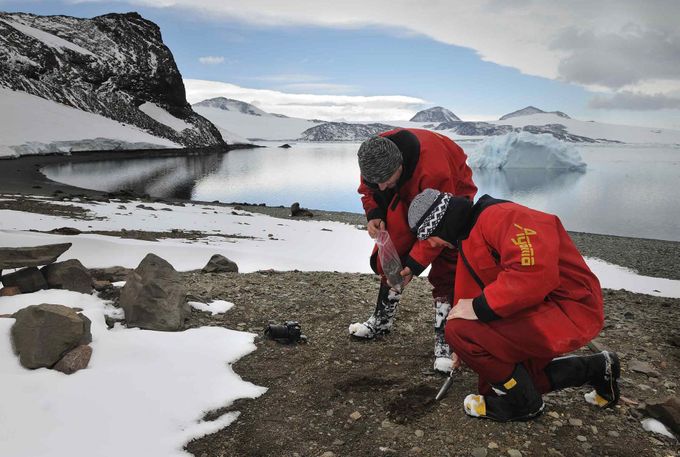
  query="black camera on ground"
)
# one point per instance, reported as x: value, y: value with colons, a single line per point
x: 289, y: 332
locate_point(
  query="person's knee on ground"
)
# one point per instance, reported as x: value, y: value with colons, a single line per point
x: 601, y: 371
x: 381, y: 321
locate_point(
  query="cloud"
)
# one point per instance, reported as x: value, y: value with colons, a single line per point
x: 609, y: 42
x: 310, y: 106
x: 635, y: 101
x: 211, y: 60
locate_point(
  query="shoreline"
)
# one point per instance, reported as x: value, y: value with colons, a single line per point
x: 650, y: 257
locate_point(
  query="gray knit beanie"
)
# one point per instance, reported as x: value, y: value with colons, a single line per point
x: 379, y: 158
x: 427, y: 211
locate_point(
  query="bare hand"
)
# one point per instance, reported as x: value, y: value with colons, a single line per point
x: 463, y: 310
x: 374, y: 226
x: 407, y: 275
x: 456, y: 360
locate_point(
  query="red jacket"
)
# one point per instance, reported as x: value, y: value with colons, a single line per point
x: 526, y: 265
x: 429, y: 160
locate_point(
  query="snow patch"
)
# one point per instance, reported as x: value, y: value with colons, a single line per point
x: 34, y: 125
x: 654, y: 426
x: 168, y: 381
x: 160, y: 115
x: 52, y: 41
x: 525, y: 150
x: 214, y: 307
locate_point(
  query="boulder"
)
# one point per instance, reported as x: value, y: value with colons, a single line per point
x: 68, y: 275
x: 27, y: 280
x: 74, y: 360
x: 666, y: 411
x: 102, y: 285
x: 31, y: 256
x: 297, y: 211
x: 220, y: 264
x: 154, y: 296
x: 111, y: 274
x: 42, y: 334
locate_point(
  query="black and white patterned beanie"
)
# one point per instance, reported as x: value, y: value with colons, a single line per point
x: 427, y: 211
x: 379, y: 158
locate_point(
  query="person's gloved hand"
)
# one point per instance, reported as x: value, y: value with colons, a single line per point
x: 374, y: 226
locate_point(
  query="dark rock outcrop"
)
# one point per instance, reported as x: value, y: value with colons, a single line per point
x: 42, y: 334
x: 297, y: 211
x: 111, y: 274
x: 154, y: 296
x: 343, y: 131
x: 108, y: 65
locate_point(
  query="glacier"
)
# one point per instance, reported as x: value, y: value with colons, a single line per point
x: 525, y: 150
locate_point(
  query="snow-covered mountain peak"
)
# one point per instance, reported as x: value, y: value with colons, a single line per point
x: 436, y: 114
x: 531, y: 110
x: 229, y: 104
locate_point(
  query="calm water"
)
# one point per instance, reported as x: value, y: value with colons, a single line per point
x: 626, y: 190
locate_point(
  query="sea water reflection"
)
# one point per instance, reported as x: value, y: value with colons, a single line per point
x: 625, y: 190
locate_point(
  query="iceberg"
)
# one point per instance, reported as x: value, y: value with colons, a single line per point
x: 526, y: 150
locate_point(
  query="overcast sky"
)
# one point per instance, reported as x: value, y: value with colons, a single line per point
x: 611, y: 61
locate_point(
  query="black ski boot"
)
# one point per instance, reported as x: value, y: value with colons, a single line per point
x: 601, y: 371
x: 380, y: 322
x: 518, y: 400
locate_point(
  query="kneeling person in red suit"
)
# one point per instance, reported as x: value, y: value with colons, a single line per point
x: 523, y: 296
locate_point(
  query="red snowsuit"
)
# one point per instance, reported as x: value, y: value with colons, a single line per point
x: 429, y: 160
x: 533, y: 293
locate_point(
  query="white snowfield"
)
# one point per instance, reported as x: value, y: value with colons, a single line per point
x: 525, y: 150
x: 263, y: 127
x: 160, y: 115
x: 146, y: 392
x: 598, y: 130
x: 46, y: 38
x: 34, y: 125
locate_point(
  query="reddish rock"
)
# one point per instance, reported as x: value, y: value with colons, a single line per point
x: 74, y: 360
x: 9, y: 291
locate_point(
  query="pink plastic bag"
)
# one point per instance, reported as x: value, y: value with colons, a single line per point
x: 389, y: 259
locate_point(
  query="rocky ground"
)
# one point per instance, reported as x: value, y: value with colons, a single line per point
x: 338, y: 396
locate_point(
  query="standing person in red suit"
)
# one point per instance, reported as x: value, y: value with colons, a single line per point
x: 395, y: 166
x: 523, y: 296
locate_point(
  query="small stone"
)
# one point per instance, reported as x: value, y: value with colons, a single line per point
x: 514, y: 453
x: 328, y: 454
x: 554, y: 414
x: 386, y: 424
x: 420, y: 433
x: 415, y: 450
x: 492, y: 445
x: 355, y: 416
x: 479, y: 452
x: 593, y: 429
x: 575, y: 422
x: 329, y: 413
x: 338, y: 443
x: 74, y: 360
x: 558, y: 423
x: 613, y: 433
x: 581, y: 438
x: 9, y: 291
x: 643, y: 367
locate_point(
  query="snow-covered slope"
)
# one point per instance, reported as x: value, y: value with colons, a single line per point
x: 436, y: 114
x: 115, y: 65
x: 343, y: 131
x: 596, y: 130
x: 33, y: 125
x: 531, y: 110
x: 251, y: 122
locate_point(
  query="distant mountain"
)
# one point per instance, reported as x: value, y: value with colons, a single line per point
x: 474, y: 128
x: 343, y: 131
x: 229, y: 104
x: 436, y: 114
x: 115, y: 65
x: 532, y: 110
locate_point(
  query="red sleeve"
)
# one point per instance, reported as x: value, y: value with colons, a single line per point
x: 528, y: 245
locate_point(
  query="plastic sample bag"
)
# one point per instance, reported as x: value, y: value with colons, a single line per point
x: 389, y: 259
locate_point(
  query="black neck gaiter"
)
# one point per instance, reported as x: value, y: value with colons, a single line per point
x: 455, y: 223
